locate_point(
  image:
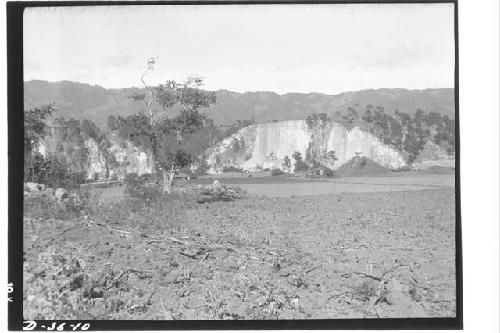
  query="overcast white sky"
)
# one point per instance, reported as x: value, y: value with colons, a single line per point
x: 281, y: 48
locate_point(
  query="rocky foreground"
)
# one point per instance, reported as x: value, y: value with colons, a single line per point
x: 364, y: 255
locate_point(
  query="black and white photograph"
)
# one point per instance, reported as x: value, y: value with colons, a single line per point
x: 239, y: 162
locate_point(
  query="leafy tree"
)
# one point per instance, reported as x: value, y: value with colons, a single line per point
x: 112, y: 123
x: 203, y: 167
x: 287, y: 164
x: 310, y: 122
x: 236, y: 145
x: 89, y: 130
x: 367, y: 116
x: 323, y: 117
x: 35, y: 130
x: 297, y: 156
x: 332, y: 157
x: 105, y: 148
x: 300, y: 165
x: 352, y: 113
x: 166, y: 135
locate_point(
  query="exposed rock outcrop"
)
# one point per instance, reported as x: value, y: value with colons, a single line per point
x: 124, y: 158
x: 264, y: 146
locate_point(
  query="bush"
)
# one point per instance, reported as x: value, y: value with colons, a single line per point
x: 187, y: 170
x: 300, y: 166
x: 276, y: 172
x: 231, y: 169
x: 47, y: 206
x: 137, y: 188
x: 329, y: 172
x: 202, y: 168
x: 52, y: 172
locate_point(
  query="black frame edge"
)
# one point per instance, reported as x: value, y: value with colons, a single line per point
x: 15, y: 117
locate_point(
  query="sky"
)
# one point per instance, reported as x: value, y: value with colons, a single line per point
x: 282, y: 48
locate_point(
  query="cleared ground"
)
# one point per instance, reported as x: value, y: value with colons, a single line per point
x: 298, y: 186
x: 348, y: 253
x: 352, y: 185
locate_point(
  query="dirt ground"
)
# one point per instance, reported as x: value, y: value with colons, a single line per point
x: 338, y: 255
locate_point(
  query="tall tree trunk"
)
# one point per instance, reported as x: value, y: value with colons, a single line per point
x: 107, y: 169
x: 168, y: 180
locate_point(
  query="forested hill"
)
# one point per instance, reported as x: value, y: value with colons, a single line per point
x: 84, y: 101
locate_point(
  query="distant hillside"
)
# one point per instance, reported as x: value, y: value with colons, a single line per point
x: 80, y: 101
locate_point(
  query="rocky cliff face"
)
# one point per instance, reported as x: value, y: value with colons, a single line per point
x: 263, y: 146
x: 124, y: 158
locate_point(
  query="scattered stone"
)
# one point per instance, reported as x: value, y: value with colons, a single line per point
x: 96, y: 293
x: 395, y: 292
x: 61, y: 193
x: 34, y: 187
x: 217, y: 192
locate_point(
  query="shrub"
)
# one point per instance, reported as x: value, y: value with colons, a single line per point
x: 231, y: 169
x: 365, y: 291
x: 187, y: 170
x: 52, y: 172
x: 137, y: 188
x: 47, y: 206
x: 329, y: 172
x: 202, y: 168
x: 300, y: 166
x: 276, y: 172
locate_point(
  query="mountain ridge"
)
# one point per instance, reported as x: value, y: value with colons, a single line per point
x: 96, y: 103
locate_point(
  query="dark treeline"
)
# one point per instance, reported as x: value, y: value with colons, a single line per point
x: 405, y: 132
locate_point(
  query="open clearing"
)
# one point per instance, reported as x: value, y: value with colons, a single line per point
x: 294, y: 186
x: 346, y: 253
x: 352, y: 185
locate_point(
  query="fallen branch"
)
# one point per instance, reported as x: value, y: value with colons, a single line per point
x: 108, y: 227
x: 204, y: 258
x: 313, y: 269
x: 187, y: 254
x: 136, y: 270
x: 341, y: 294
x: 178, y: 241
x: 370, y: 276
x: 66, y: 230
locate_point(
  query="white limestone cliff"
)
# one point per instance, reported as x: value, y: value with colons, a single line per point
x: 266, y: 145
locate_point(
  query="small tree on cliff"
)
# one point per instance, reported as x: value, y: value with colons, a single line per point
x: 35, y: 130
x: 163, y: 134
x: 287, y: 164
x: 300, y: 165
x: 332, y: 157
